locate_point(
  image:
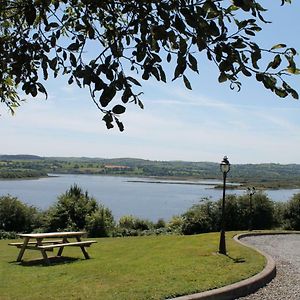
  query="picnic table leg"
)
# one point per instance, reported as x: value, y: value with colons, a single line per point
x: 45, y: 256
x: 26, y: 240
x: 86, y: 255
x: 61, y: 249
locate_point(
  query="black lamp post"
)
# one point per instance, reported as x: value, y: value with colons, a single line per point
x: 225, y: 168
x: 250, y: 192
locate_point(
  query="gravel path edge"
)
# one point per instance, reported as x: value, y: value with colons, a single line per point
x: 246, y: 286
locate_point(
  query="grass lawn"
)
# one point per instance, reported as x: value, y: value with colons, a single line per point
x: 129, y: 268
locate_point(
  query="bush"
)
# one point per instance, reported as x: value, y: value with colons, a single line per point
x: 16, y: 216
x: 160, y: 224
x: 292, y: 213
x: 278, y: 214
x: 133, y: 223
x: 175, y: 224
x: 200, y: 218
x: 7, y: 235
x: 236, y: 212
x: 132, y: 226
x: 263, y: 212
x: 100, y: 223
x: 76, y: 210
x: 206, y: 216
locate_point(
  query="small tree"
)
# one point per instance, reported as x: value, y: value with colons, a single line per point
x: 202, y: 217
x: 263, y: 212
x: 292, y: 213
x: 71, y: 210
x: 175, y: 224
x: 100, y: 223
x: 236, y: 212
x: 17, y: 216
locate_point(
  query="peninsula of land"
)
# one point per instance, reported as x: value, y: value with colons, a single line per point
x: 265, y: 175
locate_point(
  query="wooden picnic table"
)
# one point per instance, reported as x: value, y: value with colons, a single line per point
x: 40, y: 242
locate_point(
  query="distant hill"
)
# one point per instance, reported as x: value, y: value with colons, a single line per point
x: 267, y: 175
x: 19, y: 157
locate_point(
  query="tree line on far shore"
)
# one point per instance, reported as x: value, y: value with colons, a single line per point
x: 77, y: 210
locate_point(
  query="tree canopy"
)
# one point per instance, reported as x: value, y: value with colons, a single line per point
x: 135, y: 40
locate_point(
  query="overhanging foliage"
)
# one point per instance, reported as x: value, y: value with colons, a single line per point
x: 134, y: 39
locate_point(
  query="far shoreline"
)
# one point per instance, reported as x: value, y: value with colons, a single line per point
x: 232, y: 185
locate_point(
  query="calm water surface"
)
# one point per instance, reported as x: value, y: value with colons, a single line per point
x: 121, y: 195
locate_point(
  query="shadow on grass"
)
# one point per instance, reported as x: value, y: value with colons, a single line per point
x: 238, y: 260
x: 55, y: 260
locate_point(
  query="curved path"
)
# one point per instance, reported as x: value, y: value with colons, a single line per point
x: 285, y: 249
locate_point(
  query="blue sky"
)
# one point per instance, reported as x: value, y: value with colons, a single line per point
x: 251, y: 126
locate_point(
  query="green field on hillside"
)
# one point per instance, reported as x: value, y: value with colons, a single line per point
x: 268, y: 175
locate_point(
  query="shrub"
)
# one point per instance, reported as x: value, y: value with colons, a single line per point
x: 133, y: 223
x: 200, y: 218
x: 292, y: 213
x: 76, y: 210
x: 175, y: 224
x: 263, y: 212
x: 16, y: 216
x: 160, y: 224
x: 4, y: 235
x: 133, y: 226
x: 237, y: 212
x: 206, y: 216
x: 127, y: 222
x: 238, y: 215
x: 100, y: 223
x: 278, y: 214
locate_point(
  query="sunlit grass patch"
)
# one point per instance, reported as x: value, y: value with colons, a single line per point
x: 130, y: 268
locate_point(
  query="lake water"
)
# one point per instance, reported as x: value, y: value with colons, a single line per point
x: 123, y: 195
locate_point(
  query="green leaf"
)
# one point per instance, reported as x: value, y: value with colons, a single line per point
x: 249, y: 32
x: 255, y: 57
x: 140, y: 54
x: 293, y: 70
x: 73, y: 60
x: 278, y: 46
x: 294, y: 94
x: 186, y: 82
x: 108, y: 119
x: 120, y: 125
x: 155, y: 73
x: 73, y: 47
x: 162, y: 73
x: 281, y: 92
x: 193, y: 63
x: 118, y: 109
x: 133, y: 80
x: 222, y: 77
x: 169, y: 57
x: 107, y: 95
x: 259, y: 77
x: 30, y: 14
x: 181, y: 66
x: 53, y: 63
x: 42, y: 89
x: 276, y: 61
x: 140, y: 103
x: 53, y: 25
x: 179, y: 24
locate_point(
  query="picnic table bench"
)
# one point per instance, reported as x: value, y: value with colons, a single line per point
x: 43, y: 245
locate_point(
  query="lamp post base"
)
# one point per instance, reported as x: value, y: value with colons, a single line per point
x: 222, y: 245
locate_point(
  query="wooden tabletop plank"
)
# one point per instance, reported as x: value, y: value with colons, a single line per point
x: 52, y: 234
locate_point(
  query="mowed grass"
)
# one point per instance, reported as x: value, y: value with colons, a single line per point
x: 129, y: 268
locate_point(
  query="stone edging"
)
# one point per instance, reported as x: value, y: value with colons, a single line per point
x: 244, y: 287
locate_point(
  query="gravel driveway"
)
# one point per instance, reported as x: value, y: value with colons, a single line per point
x: 285, y: 250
